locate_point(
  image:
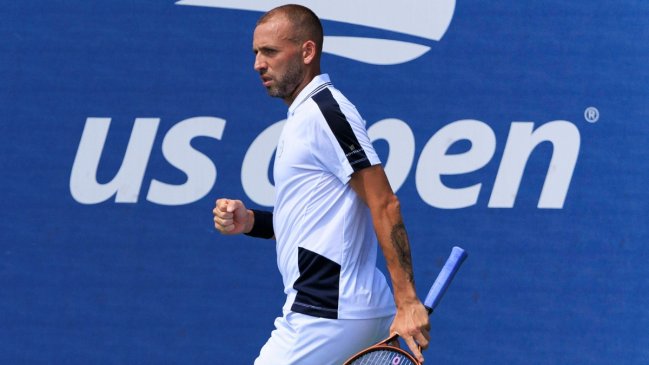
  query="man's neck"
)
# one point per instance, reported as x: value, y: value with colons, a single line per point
x: 308, y: 77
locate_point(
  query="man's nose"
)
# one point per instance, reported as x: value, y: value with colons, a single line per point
x: 260, y: 64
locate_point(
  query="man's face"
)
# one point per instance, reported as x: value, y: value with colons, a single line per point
x: 278, y: 58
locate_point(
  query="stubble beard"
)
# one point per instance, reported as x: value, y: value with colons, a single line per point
x: 285, y: 85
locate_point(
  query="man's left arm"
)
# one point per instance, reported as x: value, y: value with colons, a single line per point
x: 411, y: 320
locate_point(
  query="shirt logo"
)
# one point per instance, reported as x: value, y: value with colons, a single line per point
x: 425, y: 19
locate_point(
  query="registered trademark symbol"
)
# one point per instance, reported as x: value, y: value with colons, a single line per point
x: 591, y: 114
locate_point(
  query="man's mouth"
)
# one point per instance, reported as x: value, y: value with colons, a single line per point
x: 266, y: 80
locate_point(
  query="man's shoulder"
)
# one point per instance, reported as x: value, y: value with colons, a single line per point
x: 332, y: 100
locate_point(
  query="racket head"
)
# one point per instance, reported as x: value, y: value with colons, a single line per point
x: 382, y: 354
x: 386, y: 352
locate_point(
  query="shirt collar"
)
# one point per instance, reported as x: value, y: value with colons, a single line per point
x: 318, y: 83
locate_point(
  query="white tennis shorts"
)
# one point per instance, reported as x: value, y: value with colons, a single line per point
x: 299, y: 339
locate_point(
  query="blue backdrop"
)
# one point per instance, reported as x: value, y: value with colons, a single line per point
x: 121, y: 122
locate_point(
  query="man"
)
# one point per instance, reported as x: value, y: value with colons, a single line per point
x: 333, y: 201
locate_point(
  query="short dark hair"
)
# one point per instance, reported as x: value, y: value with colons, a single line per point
x: 305, y: 22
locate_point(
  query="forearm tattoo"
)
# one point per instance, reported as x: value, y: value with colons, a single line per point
x: 402, y: 248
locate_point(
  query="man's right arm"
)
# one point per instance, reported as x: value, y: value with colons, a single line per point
x: 232, y: 217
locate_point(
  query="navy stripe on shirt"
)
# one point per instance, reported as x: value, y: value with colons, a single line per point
x: 318, y: 285
x: 341, y: 129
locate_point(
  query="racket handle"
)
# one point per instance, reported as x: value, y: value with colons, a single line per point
x: 444, y: 278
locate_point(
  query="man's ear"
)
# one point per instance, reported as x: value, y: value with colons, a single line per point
x: 309, y: 51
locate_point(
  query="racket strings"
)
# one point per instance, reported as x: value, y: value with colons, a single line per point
x: 382, y: 357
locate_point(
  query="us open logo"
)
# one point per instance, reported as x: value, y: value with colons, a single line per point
x: 425, y: 19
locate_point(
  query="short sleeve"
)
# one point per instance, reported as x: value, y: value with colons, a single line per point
x: 345, y: 146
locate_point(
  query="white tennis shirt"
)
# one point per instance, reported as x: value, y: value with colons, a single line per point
x: 326, y: 244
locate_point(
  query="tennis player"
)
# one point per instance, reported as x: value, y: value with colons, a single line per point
x: 333, y: 202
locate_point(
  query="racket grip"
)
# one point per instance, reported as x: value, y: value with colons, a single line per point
x: 444, y: 278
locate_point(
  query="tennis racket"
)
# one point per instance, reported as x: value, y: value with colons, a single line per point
x: 383, y: 353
